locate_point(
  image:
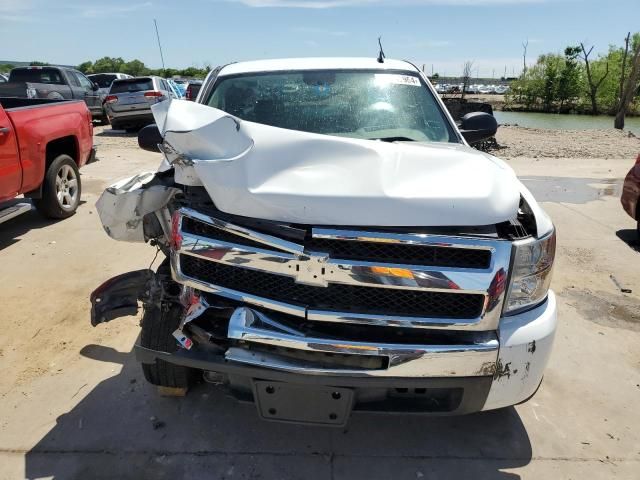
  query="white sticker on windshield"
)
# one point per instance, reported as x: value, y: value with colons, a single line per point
x: 395, y: 79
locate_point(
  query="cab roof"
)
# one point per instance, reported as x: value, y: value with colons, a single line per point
x: 317, y: 63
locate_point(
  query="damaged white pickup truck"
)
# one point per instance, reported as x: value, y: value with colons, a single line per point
x: 333, y: 244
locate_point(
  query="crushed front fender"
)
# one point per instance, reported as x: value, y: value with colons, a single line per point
x: 123, y: 206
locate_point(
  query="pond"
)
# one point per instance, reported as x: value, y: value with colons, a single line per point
x: 564, y: 122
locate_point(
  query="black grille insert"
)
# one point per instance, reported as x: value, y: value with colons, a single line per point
x: 335, y: 297
x: 402, y: 253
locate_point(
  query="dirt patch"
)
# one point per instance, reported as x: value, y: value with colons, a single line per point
x: 603, y: 308
x: 543, y: 143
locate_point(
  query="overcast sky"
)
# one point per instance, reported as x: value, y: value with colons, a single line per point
x: 438, y: 33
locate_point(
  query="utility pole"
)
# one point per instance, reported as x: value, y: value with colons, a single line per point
x: 159, y: 46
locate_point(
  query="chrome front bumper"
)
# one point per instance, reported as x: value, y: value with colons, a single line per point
x: 254, y: 331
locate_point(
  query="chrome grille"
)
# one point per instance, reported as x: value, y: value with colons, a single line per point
x: 346, y: 276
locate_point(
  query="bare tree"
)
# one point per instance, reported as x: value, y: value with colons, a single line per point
x: 593, y: 84
x: 623, y: 75
x: 525, y: 46
x: 628, y: 84
x: 467, y: 70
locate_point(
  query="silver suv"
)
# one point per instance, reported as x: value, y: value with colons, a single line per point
x: 128, y: 104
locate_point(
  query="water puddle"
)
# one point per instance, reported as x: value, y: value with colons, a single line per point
x: 615, y: 311
x: 572, y: 190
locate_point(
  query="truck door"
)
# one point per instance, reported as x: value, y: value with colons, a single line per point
x: 89, y: 95
x: 10, y: 168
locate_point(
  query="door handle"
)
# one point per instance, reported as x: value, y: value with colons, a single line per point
x: 4, y: 130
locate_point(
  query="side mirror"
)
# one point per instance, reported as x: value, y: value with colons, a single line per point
x: 95, y: 87
x: 478, y: 126
x: 149, y: 137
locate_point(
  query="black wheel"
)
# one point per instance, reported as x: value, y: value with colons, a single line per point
x: 61, y: 189
x: 157, y: 329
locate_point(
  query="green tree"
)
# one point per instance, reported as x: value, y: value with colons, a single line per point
x: 6, y: 67
x: 135, y: 67
x: 569, y: 82
x: 108, y: 64
x: 86, y: 67
x: 191, y: 72
x: 552, y: 71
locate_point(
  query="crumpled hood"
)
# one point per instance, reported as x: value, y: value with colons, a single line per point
x: 271, y: 173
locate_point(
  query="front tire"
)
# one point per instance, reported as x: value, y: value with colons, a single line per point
x: 158, y: 326
x: 61, y: 189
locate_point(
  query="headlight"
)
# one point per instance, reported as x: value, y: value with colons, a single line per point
x: 530, y: 273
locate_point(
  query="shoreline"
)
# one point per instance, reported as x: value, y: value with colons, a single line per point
x: 498, y: 103
x: 527, y: 142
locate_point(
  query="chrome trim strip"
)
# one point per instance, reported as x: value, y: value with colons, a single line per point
x: 251, y: 327
x: 268, y: 240
x: 394, y: 321
x: 444, y: 241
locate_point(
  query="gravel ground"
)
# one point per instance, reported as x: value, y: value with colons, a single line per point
x: 540, y: 143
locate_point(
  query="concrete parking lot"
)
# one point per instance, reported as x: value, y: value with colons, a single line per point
x: 74, y: 403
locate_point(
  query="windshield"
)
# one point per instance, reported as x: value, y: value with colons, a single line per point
x: 358, y: 104
x: 103, y: 80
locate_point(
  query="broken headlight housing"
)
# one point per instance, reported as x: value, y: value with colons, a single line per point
x: 530, y: 273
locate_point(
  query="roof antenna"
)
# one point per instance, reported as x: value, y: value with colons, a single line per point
x: 381, y: 55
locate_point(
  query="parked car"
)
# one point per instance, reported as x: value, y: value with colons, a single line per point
x: 55, y: 139
x: 58, y: 83
x: 333, y: 243
x: 104, y: 80
x: 631, y: 193
x: 128, y: 104
x: 191, y: 93
x: 181, y: 84
x: 3, y: 78
x: 176, y: 89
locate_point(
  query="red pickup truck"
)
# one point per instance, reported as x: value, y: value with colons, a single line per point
x: 43, y: 143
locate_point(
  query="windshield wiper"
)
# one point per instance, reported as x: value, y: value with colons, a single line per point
x: 394, y: 139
